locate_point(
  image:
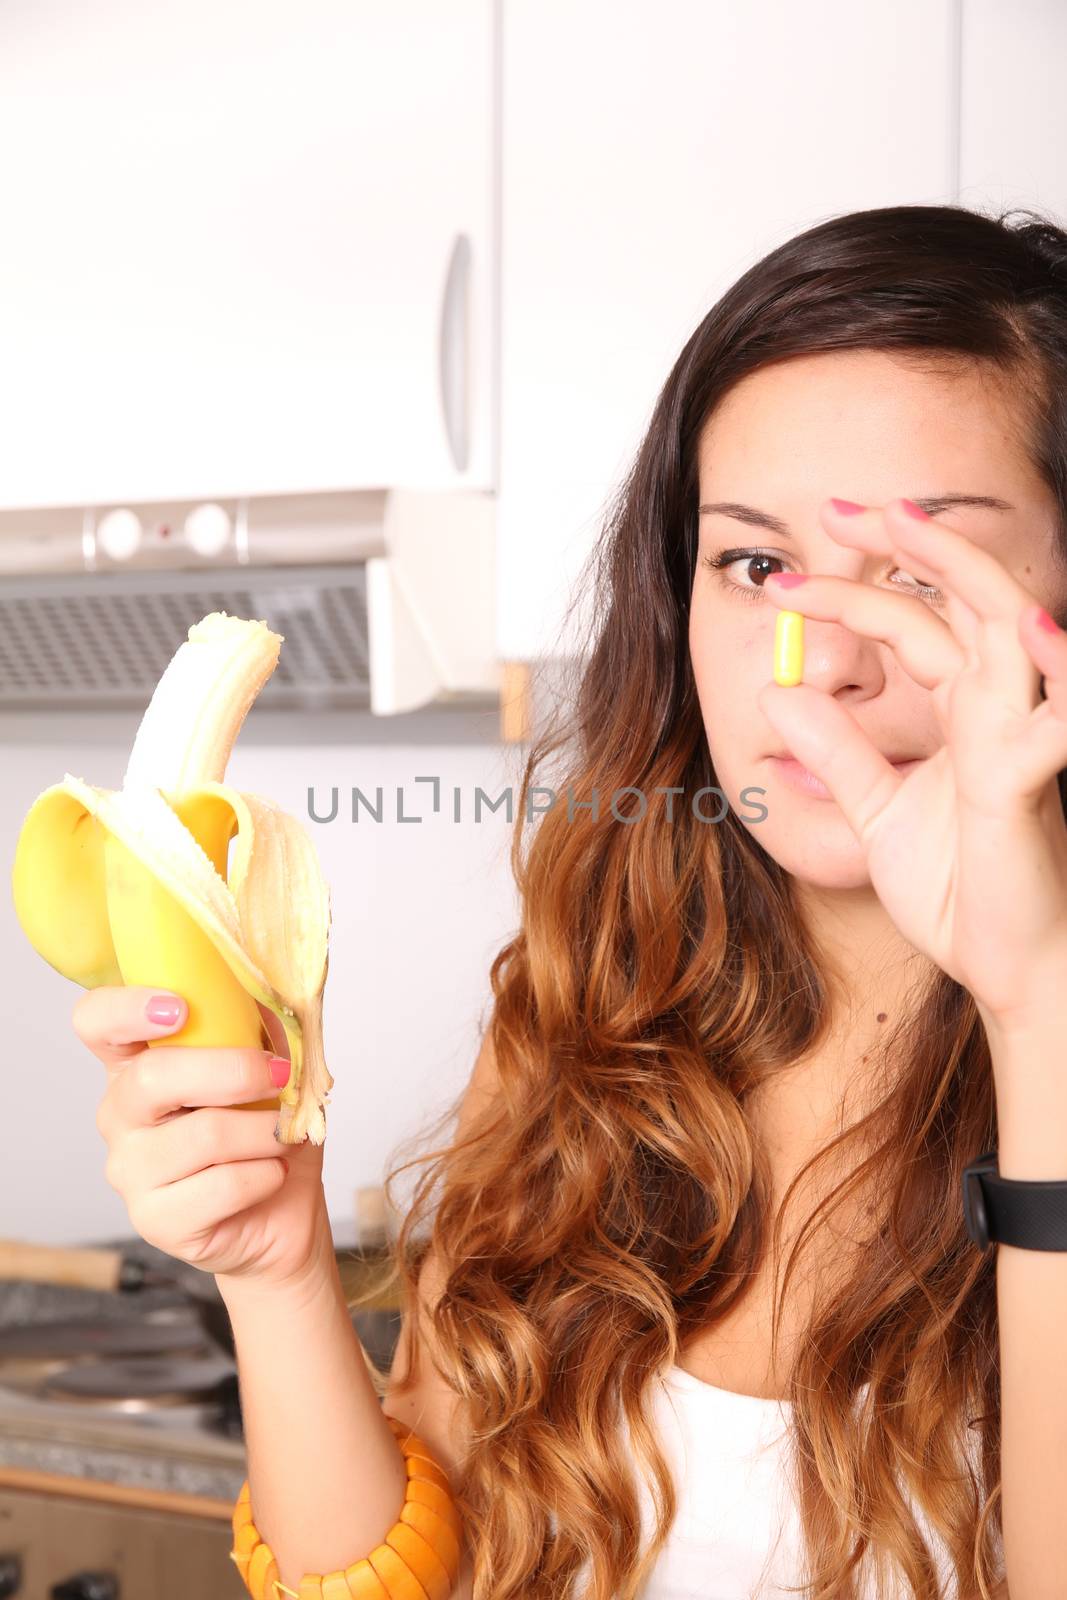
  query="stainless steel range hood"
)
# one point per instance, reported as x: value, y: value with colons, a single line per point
x: 385, y: 600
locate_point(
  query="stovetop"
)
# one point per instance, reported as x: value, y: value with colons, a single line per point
x: 158, y: 1368
x: 125, y: 1386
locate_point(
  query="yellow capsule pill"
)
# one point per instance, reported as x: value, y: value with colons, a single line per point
x: 789, y: 648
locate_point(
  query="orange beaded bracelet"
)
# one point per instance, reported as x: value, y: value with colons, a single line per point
x: 419, y: 1557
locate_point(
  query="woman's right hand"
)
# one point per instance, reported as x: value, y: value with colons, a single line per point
x: 202, y: 1181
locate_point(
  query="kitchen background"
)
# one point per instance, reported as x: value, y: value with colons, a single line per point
x: 300, y: 302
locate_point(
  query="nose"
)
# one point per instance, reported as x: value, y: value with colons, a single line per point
x: 837, y: 658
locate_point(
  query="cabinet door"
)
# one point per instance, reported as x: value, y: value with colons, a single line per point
x: 651, y: 153
x: 246, y: 247
x: 149, y: 1555
x: 1013, y: 113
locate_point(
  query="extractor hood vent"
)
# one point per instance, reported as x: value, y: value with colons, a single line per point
x: 385, y: 600
x: 65, y: 643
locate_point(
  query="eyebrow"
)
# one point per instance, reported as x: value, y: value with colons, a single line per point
x: 931, y: 504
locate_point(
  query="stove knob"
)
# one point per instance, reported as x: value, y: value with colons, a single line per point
x: 10, y: 1576
x: 86, y: 1586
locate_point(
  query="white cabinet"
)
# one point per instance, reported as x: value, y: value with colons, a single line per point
x: 1013, y: 112
x: 247, y: 248
x: 650, y: 154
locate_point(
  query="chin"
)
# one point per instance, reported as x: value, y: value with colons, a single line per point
x: 824, y: 855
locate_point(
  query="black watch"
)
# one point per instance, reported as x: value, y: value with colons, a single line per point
x: 1030, y: 1214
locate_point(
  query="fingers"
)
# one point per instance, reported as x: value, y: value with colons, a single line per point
x: 890, y: 531
x: 923, y: 644
x: 172, y: 1077
x: 957, y: 563
x: 982, y: 599
x: 826, y: 739
x: 156, y: 1157
x: 1041, y: 751
x: 176, y: 1216
x: 113, y: 1021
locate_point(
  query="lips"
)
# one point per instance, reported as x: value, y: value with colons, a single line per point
x: 797, y: 776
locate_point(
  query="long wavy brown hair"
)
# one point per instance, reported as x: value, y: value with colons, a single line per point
x: 612, y: 1204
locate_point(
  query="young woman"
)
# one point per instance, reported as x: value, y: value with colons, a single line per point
x: 691, y: 1305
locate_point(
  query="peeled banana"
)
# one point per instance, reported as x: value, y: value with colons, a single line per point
x: 180, y: 882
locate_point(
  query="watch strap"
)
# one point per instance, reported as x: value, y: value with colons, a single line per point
x: 1028, y: 1213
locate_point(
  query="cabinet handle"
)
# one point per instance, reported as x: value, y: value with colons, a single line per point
x: 452, y: 345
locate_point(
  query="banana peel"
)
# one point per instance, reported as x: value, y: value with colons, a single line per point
x: 187, y: 883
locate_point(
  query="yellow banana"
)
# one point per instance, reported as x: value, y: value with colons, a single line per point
x: 180, y: 882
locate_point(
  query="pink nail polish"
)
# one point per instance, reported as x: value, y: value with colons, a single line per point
x: 788, y: 580
x: 164, y: 1010
x: 279, y: 1071
x: 915, y: 511
x: 848, y: 508
x: 1047, y: 622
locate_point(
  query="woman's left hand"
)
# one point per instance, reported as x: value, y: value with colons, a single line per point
x: 968, y: 850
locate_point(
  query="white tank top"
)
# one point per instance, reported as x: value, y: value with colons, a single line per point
x: 737, y: 1521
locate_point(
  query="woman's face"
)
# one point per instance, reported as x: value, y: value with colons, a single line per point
x: 861, y: 426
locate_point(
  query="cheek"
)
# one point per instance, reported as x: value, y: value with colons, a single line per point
x: 707, y: 658
x: 729, y: 650
x: 729, y: 669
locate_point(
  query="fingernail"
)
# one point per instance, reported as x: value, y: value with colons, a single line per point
x: 1047, y: 622
x: 847, y: 507
x: 164, y: 1010
x: 788, y: 580
x: 915, y: 511
x: 279, y: 1071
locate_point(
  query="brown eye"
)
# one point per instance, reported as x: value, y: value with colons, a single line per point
x: 761, y: 560
x: 925, y: 591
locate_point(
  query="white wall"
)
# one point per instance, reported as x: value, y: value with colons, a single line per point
x: 419, y: 911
